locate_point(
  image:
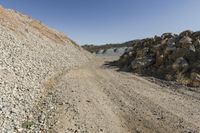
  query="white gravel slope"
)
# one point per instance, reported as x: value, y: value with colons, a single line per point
x: 27, y: 59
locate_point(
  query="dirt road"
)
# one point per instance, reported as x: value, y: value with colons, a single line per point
x: 99, y: 99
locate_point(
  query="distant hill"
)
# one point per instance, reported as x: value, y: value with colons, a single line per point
x: 95, y: 48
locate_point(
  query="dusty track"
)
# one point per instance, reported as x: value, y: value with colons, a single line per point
x: 100, y: 99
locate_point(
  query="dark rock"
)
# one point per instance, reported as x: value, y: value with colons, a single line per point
x: 185, y: 42
x: 196, y: 35
x: 159, y: 59
x: 141, y: 62
x: 197, y: 44
x: 167, y: 35
x: 195, y: 77
x: 142, y: 52
x: 170, y: 57
x: 170, y: 49
x: 180, y: 52
x: 180, y: 65
x: 186, y: 33
x: 171, y: 41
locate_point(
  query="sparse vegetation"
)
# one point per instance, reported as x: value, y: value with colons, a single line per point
x: 27, y: 124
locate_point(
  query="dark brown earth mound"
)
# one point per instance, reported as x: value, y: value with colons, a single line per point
x: 171, y: 57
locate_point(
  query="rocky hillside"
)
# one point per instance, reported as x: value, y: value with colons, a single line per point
x: 170, y: 56
x: 31, y: 56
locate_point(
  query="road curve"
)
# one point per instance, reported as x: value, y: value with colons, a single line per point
x: 100, y: 99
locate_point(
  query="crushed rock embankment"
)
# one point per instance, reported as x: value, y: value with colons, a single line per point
x: 30, y: 54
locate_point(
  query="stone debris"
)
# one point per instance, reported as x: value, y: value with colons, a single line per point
x: 169, y: 56
x: 30, y: 54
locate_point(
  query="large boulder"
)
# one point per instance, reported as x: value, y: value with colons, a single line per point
x: 142, y: 62
x: 172, y: 41
x: 179, y: 52
x: 197, y: 44
x: 195, y: 77
x: 185, y: 42
x: 180, y: 65
x: 170, y: 49
x: 186, y: 33
x: 167, y: 35
x: 196, y: 35
x: 143, y: 52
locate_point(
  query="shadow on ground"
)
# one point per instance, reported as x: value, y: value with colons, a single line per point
x: 115, y: 65
x: 173, y: 85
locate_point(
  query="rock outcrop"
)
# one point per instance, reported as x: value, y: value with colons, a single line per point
x: 170, y: 57
x: 30, y: 55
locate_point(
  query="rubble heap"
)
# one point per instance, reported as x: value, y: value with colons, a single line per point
x: 31, y: 56
x: 169, y: 56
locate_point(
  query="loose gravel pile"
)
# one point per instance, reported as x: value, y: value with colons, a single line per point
x: 171, y: 57
x: 30, y: 55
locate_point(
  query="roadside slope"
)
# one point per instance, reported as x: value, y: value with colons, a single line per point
x: 30, y: 54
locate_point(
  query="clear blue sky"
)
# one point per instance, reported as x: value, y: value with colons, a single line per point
x: 106, y: 21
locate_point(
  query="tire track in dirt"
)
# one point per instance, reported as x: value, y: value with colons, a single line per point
x: 99, y: 99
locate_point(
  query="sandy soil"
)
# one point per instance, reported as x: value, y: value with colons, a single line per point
x: 99, y: 99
